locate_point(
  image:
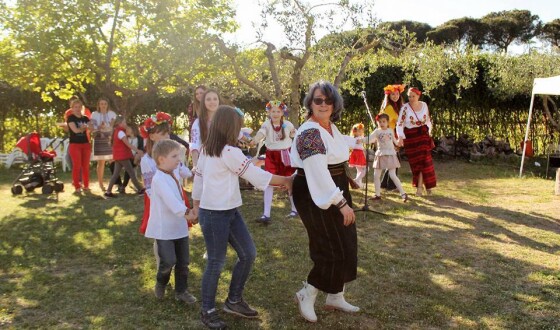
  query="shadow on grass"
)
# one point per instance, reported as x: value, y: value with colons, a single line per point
x: 434, y: 263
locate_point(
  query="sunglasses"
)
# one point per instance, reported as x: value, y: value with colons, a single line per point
x: 319, y: 101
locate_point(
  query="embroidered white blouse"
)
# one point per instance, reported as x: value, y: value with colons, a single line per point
x: 273, y: 139
x: 99, y: 118
x: 167, y: 209
x: 386, y: 141
x: 410, y: 119
x: 313, y: 150
x: 216, y: 179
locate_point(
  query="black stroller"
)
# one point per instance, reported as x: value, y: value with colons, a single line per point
x: 39, y: 169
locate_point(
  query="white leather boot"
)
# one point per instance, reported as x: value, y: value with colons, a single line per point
x: 336, y: 301
x: 306, y: 301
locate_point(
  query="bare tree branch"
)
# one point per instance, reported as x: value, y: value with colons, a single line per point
x: 238, y: 74
x: 273, y: 67
x: 349, y: 56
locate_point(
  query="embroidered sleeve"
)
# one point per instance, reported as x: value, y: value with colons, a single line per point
x: 310, y: 143
x: 400, y: 123
x: 242, y: 166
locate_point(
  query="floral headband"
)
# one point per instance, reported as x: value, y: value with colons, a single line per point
x: 153, y: 121
x: 415, y: 91
x: 393, y: 88
x: 357, y: 127
x: 277, y: 104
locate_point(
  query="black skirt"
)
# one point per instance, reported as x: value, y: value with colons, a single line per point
x: 333, y: 247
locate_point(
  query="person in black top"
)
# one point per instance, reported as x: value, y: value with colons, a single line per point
x: 79, y: 148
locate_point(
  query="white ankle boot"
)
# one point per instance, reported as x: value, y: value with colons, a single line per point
x: 306, y: 301
x: 336, y: 301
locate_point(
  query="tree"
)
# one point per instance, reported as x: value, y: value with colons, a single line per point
x: 420, y: 29
x: 127, y: 50
x: 285, y: 67
x: 466, y: 30
x: 550, y: 32
x: 506, y: 27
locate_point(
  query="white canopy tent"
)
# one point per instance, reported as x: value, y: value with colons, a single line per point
x: 543, y: 86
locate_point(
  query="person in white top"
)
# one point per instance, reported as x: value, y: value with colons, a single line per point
x: 385, y: 156
x: 357, y: 156
x: 168, y: 222
x: 323, y: 200
x: 199, y: 130
x: 102, y: 120
x: 414, y: 128
x: 277, y: 134
x: 216, y: 198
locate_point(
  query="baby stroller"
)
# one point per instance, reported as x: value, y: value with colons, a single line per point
x: 39, y: 169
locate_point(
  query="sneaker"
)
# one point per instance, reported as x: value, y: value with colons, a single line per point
x: 159, y: 291
x: 264, y: 219
x: 185, y: 297
x: 292, y: 215
x: 121, y: 190
x: 404, y: 197
x: 77, y: 191
x: 375, y: 198
x: 141, y: 192
x: 240, y: 308
x: 212, y: 320
x: 109, y: 194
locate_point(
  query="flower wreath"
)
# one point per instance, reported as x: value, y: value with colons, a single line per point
x: 393, y: 88
x: 153, y: 121
x: 281, y: 105
x: 357, y: 127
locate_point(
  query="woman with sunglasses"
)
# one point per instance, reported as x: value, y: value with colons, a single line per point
x: 322, y: 198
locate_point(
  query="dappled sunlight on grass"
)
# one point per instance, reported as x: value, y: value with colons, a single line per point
x: 482, y: 252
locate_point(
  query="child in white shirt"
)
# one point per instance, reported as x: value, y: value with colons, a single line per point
x: 168, y: 222
x: 385, y: 156
x: 216, y: 199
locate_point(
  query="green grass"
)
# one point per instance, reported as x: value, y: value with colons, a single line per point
x: 482, y: 252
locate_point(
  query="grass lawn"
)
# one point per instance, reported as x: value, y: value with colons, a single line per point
x: 482, y: 252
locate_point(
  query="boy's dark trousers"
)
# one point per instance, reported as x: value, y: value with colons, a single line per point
x: 173, y: 253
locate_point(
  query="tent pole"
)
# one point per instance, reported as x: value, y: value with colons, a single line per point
x: 526, y: 134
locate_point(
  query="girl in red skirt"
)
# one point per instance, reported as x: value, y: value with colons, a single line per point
x: 357, y: 157
x: 277, y: 134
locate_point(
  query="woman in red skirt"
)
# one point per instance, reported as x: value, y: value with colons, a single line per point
x: 414, y: 128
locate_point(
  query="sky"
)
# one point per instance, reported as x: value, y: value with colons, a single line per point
x: 433, y: 12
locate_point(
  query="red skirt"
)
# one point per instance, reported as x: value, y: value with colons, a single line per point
x: 146, y: 215
x: 418, y: 149
x: 274, y: 164
x: 357, y: 158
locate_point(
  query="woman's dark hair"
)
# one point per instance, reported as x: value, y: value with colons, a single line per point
x: 203, y: 119
x: 224, y: 130
x: 330, y: 92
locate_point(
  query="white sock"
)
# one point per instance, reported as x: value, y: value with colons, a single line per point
x: 267, y: 196
x: 377, y: 180
x: 292, y: 203
x: 396, y: 181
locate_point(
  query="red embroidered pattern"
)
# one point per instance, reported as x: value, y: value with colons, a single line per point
x: 310, y: 143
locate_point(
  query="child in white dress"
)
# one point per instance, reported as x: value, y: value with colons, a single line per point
x: 385, y: 156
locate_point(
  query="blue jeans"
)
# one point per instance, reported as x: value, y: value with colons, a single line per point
x: 220, y: 228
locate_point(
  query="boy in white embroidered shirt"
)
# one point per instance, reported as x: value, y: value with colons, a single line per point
x: 168, y: 222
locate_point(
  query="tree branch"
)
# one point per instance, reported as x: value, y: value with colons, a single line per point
x: 349, y: 56
x: 270, y: 48
x: 240, y: 76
